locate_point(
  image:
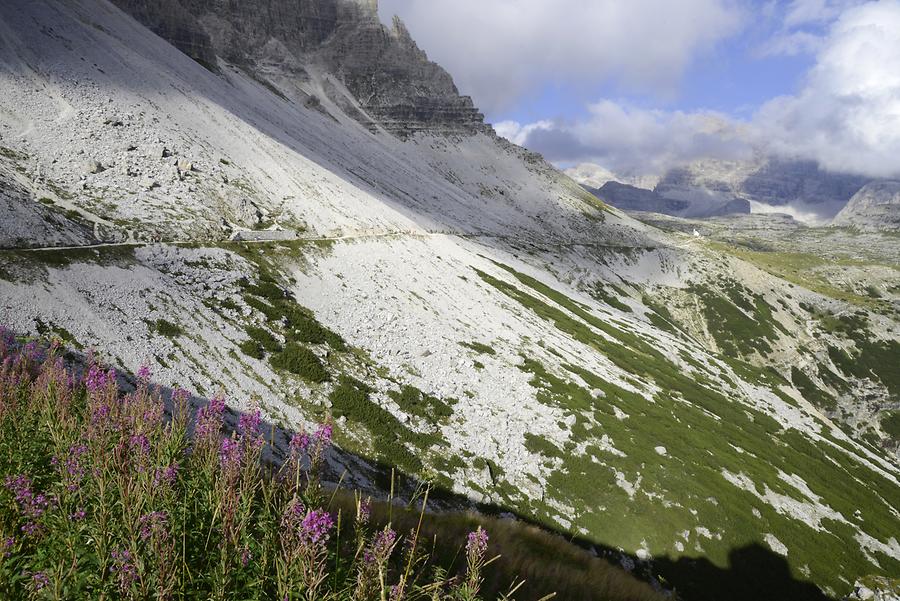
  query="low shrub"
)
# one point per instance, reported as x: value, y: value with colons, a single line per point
x: 251, y: 348
x: 263, y: 338
x: 167, y: 328
x: 299, y: 360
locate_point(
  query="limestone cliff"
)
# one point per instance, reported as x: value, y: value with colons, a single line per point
x: 392, y: 82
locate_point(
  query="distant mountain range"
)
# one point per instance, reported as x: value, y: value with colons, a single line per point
x: 713, y: 188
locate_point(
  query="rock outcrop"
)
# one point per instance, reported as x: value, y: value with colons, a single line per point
x: 695, y: 205
x: 632, y: 198
x: 393, y: 84
x: 875, y: 207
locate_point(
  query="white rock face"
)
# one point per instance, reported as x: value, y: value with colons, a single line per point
x: 875, y: 207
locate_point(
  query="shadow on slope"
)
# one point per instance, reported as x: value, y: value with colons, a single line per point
x: 396, y: 175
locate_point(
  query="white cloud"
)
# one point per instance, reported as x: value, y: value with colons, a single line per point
x: 634, y: 141
x: 517, y: 133
x: 807, y: 12
x: 500, y: 50
x: 804, y: 26
x: 846, y: 115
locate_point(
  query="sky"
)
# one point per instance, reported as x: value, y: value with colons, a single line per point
x: 640, y: 86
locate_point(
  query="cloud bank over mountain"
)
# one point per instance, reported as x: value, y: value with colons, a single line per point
x: 843, y: 113
x: 500, y: 50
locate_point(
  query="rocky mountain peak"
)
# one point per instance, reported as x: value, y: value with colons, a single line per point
x: 875, y: 207
x: 389, y: 77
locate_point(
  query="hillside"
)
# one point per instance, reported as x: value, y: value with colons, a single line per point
x: 259, y: 221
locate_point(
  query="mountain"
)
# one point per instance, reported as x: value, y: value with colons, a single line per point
x: 690, y: 203
x: 716, y: 187
x: 594, y: 176
x: 875, y: 207
x: 287, y: 201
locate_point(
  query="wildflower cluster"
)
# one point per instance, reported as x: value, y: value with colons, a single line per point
x: 121, y: 495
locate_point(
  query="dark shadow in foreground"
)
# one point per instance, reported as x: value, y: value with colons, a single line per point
x: 755, y: 573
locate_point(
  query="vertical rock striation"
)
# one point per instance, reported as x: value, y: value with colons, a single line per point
x: 390, y: 77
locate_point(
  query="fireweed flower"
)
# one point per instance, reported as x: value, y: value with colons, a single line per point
x: 250, y: 432
x: 299, y: 444
x: 124, y: 568
x: 143, y: 374
x: 78, y: 515
x: 364, y: 511
x: 31, y: 506
x: 139, y: 445
x: 476, y: 547
x: 381, y: 547
x: 153, y: 524
x: 165, y: 476
x: 209, y: 419
x: 248, y: 424
x: 324, y: 434
x: 316, y: 527
x: 231, y: 454
x: 6, y: 546
x: 477, y: 543
x: 39, y: 580
x: 98, y: 380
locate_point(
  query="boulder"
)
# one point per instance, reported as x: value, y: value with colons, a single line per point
x: 92, y: 166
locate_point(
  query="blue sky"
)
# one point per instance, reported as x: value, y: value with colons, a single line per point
x: 643, y: 85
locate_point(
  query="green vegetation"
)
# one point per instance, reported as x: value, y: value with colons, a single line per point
x: 351, y: 399
x: 299, y: 360
x: 263, y: 338
x: 871, y: 358
x: 415, y: 402
x: 303, y: 327
x: 166, y: 328
x: 811, y: 392
x: 13, y: 155
x: 599, y: 292
x: 479, y: 347
x: 741, y: 322
x: 251, y: 348
x: 890, y: 423
x: 622, y: 492
x: 540, y: 445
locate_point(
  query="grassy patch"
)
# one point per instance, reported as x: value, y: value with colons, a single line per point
x: 263, y: 338
x: 599, y: 292
x: 811, y: 392
x: 891, y: 425
x: 479, y: 347
x: 351, y: 399
x: 742, y: 323
x: 166, y: 328
x: 251, y: 348
x: 299, y: 360
x: 415, y: 402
